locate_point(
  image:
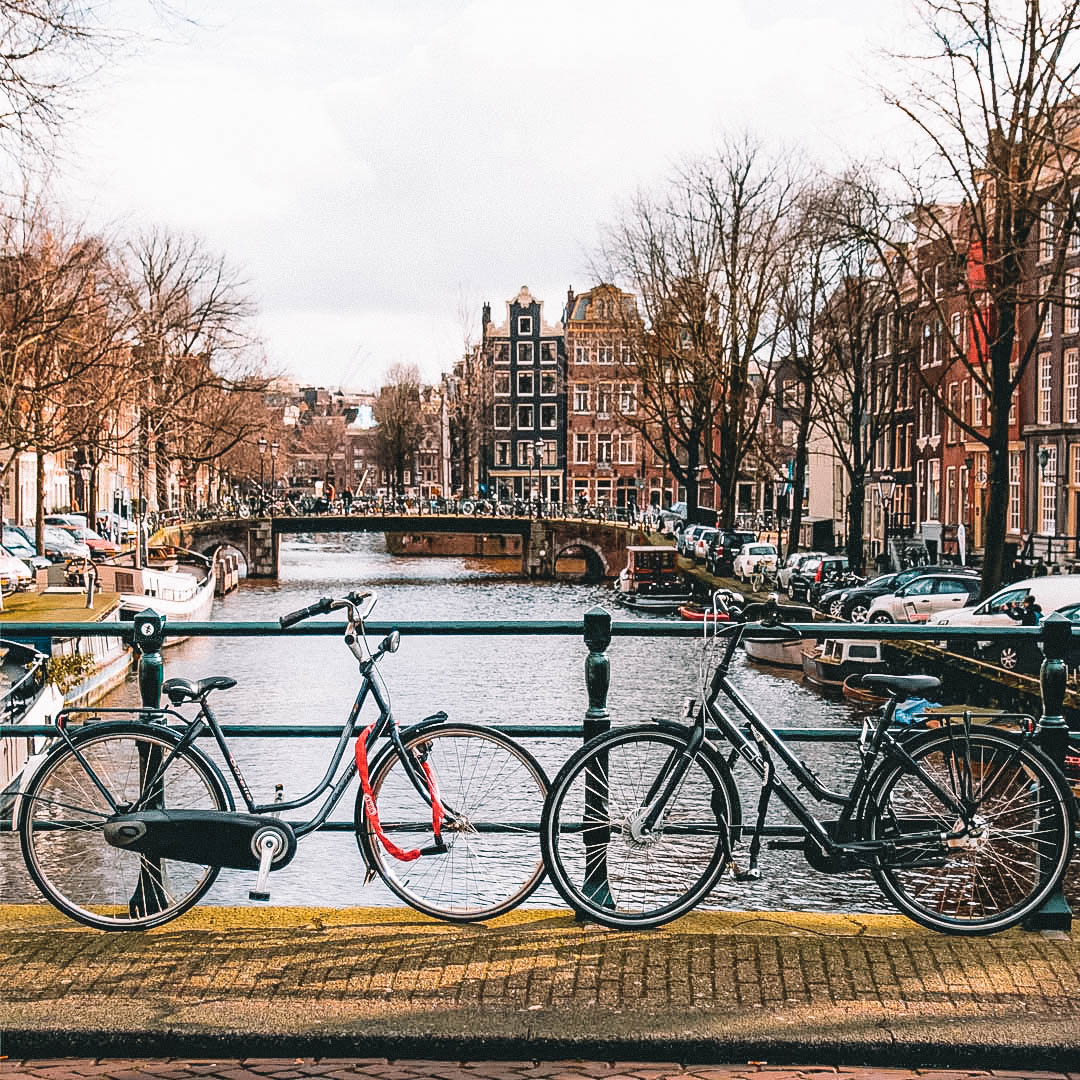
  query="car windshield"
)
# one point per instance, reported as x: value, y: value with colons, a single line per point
x: 15, y: 541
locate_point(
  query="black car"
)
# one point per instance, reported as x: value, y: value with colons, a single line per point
x: 723, y: 548
x: 815, y: 576
x: 853, y: 602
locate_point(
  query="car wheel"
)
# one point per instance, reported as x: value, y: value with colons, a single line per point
x: 859, y: 613
x: 880, y: 617
x: 1008, y: 657
x: 836, y: 609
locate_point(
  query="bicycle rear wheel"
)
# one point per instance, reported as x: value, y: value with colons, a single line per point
x: 1018, y: 843
x: 599, y: 857
x: 493, y: 790
x: 62, y: 816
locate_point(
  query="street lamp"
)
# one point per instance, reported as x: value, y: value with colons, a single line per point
x: 262, y: 445
x: 538, y: 453
x: 886, y: 485
x: 85, y: 471
x: 274, y: 447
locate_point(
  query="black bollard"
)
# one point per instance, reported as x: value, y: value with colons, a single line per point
x: 595, y: 831
x: 1052, y: 735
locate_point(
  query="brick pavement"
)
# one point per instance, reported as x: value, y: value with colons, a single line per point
x: 710, y: 987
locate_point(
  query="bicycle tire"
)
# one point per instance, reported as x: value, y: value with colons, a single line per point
x: 62, y: 815
x: 990, y: 881
x: 495, y: 788
x: 614, y: 880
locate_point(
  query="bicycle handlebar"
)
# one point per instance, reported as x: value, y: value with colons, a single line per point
x: 320, y: 607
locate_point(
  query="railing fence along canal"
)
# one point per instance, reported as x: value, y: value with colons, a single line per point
x: 146, y: 634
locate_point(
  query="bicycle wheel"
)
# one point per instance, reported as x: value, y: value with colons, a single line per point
x: 62, y: 816
x: 493, y: 791
x: 591, y: 837
x: 1018, y: 843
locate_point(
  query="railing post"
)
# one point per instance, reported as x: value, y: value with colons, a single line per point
x: 149, y: 895
x: 1052, y: 734
x: 595, y: 830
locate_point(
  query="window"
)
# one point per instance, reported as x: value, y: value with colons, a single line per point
x: 952, y: 495
x: 978, y: 403
x: 927, y: 356
x: 581, y: 354
x: 1045, y: 389
x: 957, y: 327
x: 1048, y: 493
x: 624, y: 355
x: 1046, y: 233
x: 502, y: 383
x: 1014, y: 491
x: 525, y: 354
x: 549, y: 416
x: 581, y: 489
x: 525, y: 384
x: 525, y: 324
x: 581, y: 397
x: 502, y: 417
x: 1072, y: 386
x: 603, y: 399
x: 502, y: 353
x: 626, y: 449
x: 549, y: 383
x: 1047, y: 327
x: 551, y: 452
x: 933, y: 489
x: 524, y: 416
x: 1072, y: 301
x: 603, y: 449
x: 549, y: 353
x: 581, y: 449
x: 627, y: 399
x: 952, y: 432
x: 1075, y: 450
x: 605, y: 354
x: 525, y: 449
x: 502, y: 453
x: 1074, y: 237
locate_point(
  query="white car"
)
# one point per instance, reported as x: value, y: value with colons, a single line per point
x: 1053, y: 593
x: 750, y: 555
x: 792, y: 564
x: 916, y: 601
x: 15, y: 575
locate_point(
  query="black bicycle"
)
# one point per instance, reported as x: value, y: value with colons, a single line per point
x: 126, y: 822
x: 965, y: 828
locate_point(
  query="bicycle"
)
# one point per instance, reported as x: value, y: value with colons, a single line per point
x: 126, y: 823
x: 965, y: 828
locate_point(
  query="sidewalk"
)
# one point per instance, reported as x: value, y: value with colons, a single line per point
x: 720, y: 988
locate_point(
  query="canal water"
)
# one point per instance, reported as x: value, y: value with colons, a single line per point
x: 520, y: 680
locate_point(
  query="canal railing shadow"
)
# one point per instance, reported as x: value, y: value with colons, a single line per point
x: 1055, y: 638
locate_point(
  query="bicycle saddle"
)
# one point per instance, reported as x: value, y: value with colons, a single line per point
x: 904, y: 686
x: 181, y: 690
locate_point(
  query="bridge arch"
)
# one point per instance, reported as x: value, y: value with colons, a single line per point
x: 596, y: 565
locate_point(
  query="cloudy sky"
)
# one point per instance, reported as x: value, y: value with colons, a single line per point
x: 379, y: 169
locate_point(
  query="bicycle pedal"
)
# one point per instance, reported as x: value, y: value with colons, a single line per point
x: 748, y: 875
x: 785, y: 845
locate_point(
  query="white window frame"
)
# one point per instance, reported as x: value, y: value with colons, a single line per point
x: 502, y: 352
x: 582, y: 448
x: 525, y: 354
x: 1048, y: 492
x: 581, y: 354
x: 525, y: 409
x: 549, y: 416
x: 627, y: 399
x: 524, y: 453
x: 605, y: 354
x: 549, y: 379
x: 525, y: 324
x: 1072, y: 386
x: 626, y: 450
x: 549, y: 352
x: 1072, y: 301
x: 1047, y: 326
x: 502, y: 383
x: 604, y: 393
x: 1014, y: 491
x: 581, y: 397
x: 526, y: 384
x: 1046, y: 388
x: 604, y: 448
x: 508, y: 413
x: 1046, y: 234
x: 503, y: 456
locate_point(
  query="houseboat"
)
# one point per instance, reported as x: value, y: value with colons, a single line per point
x: 780, y: 652
x: 827, y: 665
x: 650, y: 581
x: 27, y: 698
x: 176, y: 583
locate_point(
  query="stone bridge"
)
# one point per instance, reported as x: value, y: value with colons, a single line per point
x: 539, y: 544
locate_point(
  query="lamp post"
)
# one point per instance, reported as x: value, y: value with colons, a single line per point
x: 85, y: 472
x: 886, y: 485
x: 538, y: 453
x: 262, y: 445
x: 274, y: 447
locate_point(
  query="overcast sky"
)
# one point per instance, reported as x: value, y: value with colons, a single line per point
x: 375, y: 167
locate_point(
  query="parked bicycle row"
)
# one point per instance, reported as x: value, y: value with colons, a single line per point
x: 126, y: 822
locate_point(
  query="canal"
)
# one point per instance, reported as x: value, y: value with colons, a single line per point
x: 517, y: 680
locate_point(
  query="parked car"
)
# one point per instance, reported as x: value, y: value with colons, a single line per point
x: 59, y: 547
x: 1059, y: 592
x: 100, y: 548
x: 15, y: 575
x: 685, y: 543
x: 16, y: 543
x: 792, y: 564
x: 816, y: 576
x: 916, y: 601
x: 853, y: 601
x: 752, y: 555
x: 702, y: 543
x: 673, y: 517
x: 723, y: 548
x: 121, y: 529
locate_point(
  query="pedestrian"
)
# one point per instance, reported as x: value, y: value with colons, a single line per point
x: 1027, y: 613
x: 347, y: 498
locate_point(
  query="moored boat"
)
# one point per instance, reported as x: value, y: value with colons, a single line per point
x: 692, y: 614
x: 176, y: 583
x: 830, y: 663
x: 783, y: 653
x: 650, y: 581
x: 27, y: 698
x: 859, y: 695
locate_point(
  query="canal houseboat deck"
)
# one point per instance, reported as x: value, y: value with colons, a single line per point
x: 650, y: 580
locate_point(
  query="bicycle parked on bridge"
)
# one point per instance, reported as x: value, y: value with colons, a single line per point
x: 126, y: 823
x: 966, y: 829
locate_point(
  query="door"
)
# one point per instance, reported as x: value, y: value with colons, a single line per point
x: 917, y: 600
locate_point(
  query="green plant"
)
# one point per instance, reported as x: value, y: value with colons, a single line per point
x: 66, y: 670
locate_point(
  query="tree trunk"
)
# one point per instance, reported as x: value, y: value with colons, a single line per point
x: 802, y: 454
x: 856, y: 502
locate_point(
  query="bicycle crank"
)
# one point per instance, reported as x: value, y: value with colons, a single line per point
x: 210, y: 837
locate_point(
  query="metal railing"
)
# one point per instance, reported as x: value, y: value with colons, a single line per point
x: 147, y: 632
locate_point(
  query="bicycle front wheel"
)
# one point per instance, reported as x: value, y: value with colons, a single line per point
x: 493, y: 791
x: 605, y: 861
x: 1016, y: 831
x: 63, y: 812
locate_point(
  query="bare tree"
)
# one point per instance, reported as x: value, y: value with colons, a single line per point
x: 401, y: 424
x: 995, y: 103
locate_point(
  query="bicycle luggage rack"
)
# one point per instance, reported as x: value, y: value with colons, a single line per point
x: 146, y: 634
